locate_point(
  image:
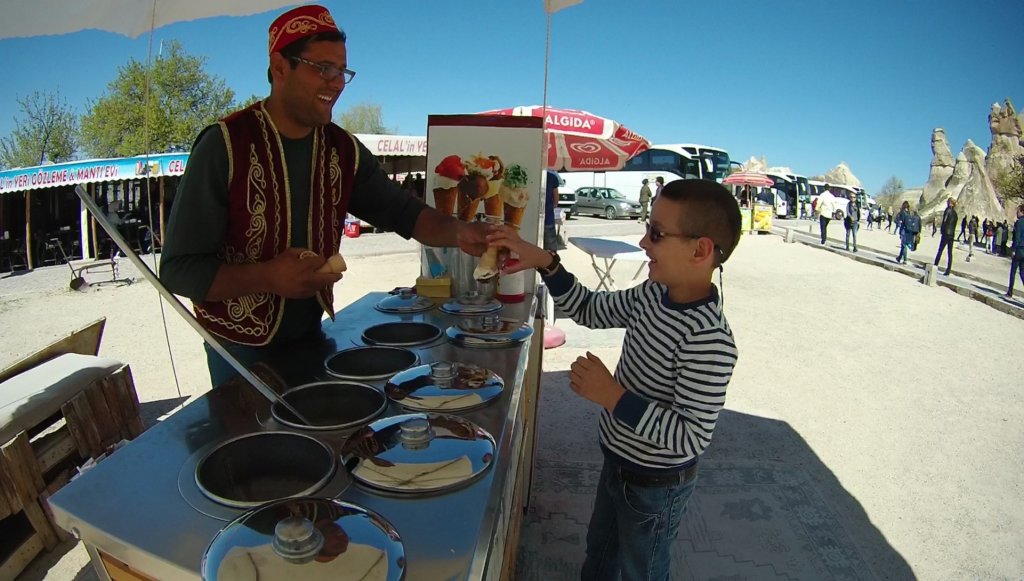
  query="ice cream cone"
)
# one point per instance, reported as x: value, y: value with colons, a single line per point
x: 514, y: 215
x: 467, y: 207
x: 444, y: 200
x: 493, y: 205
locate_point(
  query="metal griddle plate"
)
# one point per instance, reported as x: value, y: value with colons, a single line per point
x: 444, y: 386
x: 417, y: 453
x: 306, y: 539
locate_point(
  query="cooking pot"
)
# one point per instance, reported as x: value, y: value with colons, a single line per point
x: 252, y: 469
x: 331, y: 405
x: 369, y: 363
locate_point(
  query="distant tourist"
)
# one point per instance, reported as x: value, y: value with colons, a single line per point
x: 659, y: 182
x: 852, y: 221
x: 948, y: 229
x: 888, y: 215
x: 826, y: 208
x: 963, y: 229
x: 1017, y: 260
x: 909, y: 225
x: 645, y: 199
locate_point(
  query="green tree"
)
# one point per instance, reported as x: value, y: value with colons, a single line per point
x: 183, y: 98
x: 47, y: 131
x: 1010, y: 185
x: 363, y: 118
x: 249, y: 101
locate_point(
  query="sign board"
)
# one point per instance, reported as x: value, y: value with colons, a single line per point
x: 487, y: 166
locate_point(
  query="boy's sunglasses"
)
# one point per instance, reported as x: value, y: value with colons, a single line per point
x: 656, y: 236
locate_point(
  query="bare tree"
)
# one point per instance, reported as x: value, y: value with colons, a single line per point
x: 47, y: 131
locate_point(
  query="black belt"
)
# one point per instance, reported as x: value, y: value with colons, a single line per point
x: 659, y: 480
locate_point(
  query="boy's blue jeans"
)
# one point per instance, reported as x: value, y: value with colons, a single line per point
x: 632, y: 529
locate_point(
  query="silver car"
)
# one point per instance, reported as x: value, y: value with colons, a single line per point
x: 607, y: 202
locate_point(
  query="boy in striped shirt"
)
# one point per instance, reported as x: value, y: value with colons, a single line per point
x: 661, y: 404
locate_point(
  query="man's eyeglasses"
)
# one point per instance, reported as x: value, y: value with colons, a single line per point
x: 328, y: 72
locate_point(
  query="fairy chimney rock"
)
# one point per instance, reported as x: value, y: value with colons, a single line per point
x: 1006, y: 146
x: 941, y: 170
x: 978, y: 197
x: 841, y: 174
x: 952, y: 188
x: 755, y: 165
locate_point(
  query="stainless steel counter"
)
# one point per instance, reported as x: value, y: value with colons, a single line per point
x: 133, y: 507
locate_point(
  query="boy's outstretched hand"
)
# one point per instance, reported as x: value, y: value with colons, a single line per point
x: 589, y: 377
x: 530, y: 255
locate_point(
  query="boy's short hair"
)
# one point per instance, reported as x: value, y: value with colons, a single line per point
x: 711, y: 211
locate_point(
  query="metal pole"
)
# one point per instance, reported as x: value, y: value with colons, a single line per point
x: 249, y: 376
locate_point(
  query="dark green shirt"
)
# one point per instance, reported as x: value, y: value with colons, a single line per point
x: 193, y: 249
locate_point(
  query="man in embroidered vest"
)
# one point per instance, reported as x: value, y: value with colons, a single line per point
x: 276, y: 179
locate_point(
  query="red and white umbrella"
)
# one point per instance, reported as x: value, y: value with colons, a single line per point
x: 749, y: 178
x: 580, y: 141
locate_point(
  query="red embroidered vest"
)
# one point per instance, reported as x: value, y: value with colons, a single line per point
x: 259, y: 215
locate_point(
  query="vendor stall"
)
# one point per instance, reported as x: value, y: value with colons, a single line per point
x: 397, y: 445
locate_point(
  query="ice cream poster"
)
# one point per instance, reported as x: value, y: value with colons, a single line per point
x: 487, y: 167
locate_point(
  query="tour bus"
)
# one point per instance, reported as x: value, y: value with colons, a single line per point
x: 671, y: 162
x: 790, y: 191
x: 815, y: 188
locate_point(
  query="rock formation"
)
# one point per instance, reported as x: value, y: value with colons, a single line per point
x: 978, y: 197
x: 941, y: 170
x: 755, y: 165
x: 951, y: 188
x: 1006, y: 145
x: 840, y: 174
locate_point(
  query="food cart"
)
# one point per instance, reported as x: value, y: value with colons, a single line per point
x: 408, y: 456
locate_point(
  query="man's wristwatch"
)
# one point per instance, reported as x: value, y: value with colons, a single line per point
x: 552, y: 266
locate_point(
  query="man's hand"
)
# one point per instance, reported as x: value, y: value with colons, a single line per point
x: 472, y: 237
x: 589, y: 377
x: 293, y: 274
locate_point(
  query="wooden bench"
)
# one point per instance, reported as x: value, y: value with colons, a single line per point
x: 59, y: 408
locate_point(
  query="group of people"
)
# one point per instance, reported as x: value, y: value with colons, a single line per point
x: 829, y: 208
x: 249, y: 255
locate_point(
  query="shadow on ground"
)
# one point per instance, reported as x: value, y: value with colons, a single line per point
x: 765, y: 506
x: 152, y: 411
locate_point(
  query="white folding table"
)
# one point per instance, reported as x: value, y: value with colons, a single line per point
x: 610, y: 252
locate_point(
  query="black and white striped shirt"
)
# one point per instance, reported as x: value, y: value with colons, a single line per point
x: 675, y: 365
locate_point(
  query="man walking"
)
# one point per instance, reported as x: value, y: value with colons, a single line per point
x: 948, y: 230
x: 1017, y: 258
x: 645, y: 200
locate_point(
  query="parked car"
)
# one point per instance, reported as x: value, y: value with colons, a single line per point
x: 607, y: 202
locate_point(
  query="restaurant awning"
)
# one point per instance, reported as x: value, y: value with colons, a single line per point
x: 92, y: 171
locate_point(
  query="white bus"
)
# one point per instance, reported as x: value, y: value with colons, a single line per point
x: 671, y: 162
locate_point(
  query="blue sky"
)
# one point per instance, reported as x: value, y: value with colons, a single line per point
x: 806, y: 83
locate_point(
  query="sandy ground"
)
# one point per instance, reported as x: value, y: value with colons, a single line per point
x: 910, y: 395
